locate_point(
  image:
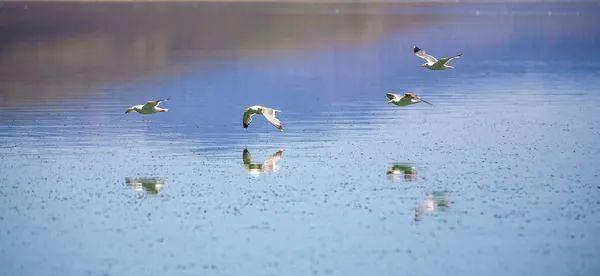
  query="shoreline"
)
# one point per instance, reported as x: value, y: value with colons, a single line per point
x: 308, y: 1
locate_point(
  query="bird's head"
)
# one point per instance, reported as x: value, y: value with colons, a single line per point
x: 129, y: 110
x: 424, y: 65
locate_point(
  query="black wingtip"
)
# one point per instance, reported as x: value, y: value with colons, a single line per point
x: 246, y: 125
x: 460, y: 55
x: 416, y: 49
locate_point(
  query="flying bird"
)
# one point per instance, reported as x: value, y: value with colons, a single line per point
x: 150, y: 107
x: 405, y: 100
x: 269, y: 114
x: 271, y: 165
x: 433, y: 63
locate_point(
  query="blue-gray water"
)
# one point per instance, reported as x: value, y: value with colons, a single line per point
x: 505, y: 178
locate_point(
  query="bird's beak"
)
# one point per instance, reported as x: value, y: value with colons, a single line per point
x: 422, y: 65
x: 128, y: 110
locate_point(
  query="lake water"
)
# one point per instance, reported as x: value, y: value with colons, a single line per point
x: 498, y: 177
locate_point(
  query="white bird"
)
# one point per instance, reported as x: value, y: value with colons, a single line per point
x: 269, y: 114
x: 433, y: 63
x: 150, y: 107
x: 405, y: 100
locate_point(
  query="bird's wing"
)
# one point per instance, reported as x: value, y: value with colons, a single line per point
x: 392, y: 96
x: 415, y: 96
x: 270, y: 115
x: 154, y: 103
x: 269, y: 165
x: 247, y: 157
x: 420, y: 53
x: 247, y: 118
x: 448, y: 59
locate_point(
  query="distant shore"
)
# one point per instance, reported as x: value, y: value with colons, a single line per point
x: 311, y: 1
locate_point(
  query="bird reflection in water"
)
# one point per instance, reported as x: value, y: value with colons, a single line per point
x: 402, y: 170
x: 435, y: 202
x: 152, y: 185
x: 271, y: 165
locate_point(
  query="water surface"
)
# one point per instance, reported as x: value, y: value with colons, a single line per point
x: 499, y: 177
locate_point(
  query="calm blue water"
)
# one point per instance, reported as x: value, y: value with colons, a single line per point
x: 506, y: 176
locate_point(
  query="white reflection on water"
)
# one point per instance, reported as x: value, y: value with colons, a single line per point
x: 268, y: 166
x: 152, y: 185
x: 399, y: 171
x: 436, y: 201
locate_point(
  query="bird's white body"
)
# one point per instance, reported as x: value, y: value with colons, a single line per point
x: 144, y: 109
x: 440, y: 65
x: 269, y: 114
x: 150, y: 107
x: 433, y: 63
x: 404, y: 100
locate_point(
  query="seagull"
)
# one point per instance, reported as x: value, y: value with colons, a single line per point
x: 256, y: 168
x: 269, y: 114
x: 405, y: 100
x: 433, y: 63
x: 150, y: 107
